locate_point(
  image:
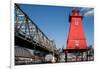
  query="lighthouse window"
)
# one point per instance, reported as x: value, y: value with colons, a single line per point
x: 76, y: 21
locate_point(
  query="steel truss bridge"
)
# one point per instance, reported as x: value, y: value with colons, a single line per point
x: 28, y: 34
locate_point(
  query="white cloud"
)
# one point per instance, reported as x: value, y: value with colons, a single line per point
x: 89, y: 13
x: 83, y: 9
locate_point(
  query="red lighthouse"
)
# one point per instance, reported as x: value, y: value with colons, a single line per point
x: 76, y: 42
x: 76, y: 37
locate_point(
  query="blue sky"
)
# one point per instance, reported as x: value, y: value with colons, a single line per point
x: 54, y: 21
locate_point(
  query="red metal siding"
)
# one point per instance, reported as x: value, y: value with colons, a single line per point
x: 76, y: 37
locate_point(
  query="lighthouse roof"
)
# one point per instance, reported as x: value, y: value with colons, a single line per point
x: 75, y: 11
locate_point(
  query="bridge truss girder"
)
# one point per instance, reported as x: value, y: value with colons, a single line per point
x: 28, y: 30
